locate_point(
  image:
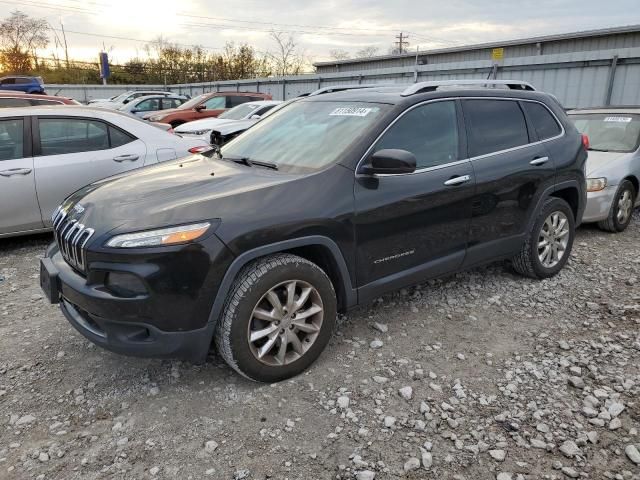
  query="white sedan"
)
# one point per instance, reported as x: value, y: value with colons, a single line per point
x: 47, y: 153
x: 247, y: 112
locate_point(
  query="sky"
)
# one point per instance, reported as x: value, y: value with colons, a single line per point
x: 122, y: 27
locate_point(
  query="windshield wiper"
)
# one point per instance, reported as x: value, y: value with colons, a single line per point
x: 250, y: 163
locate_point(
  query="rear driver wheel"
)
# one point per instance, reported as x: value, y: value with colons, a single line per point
x: 278, y: 318
x: 549, y: 242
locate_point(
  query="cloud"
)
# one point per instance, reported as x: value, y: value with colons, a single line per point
x: 320, y: 26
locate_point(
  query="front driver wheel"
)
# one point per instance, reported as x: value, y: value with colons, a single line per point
x: 278, y: 318
x: 621, y: 209
x: 549, y: 242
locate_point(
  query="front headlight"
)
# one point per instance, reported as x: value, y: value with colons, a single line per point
x: 160, y: 237
x: 596, y: 184
x: 195, y: 132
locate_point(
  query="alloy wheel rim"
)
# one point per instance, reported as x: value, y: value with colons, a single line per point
x: 625, y: 204
x: 285, y: 323
x: 553, y: 239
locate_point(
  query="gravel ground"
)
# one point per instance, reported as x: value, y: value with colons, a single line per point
x: 482, y: 375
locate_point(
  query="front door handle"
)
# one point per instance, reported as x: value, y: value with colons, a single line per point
x: 457, y: 180
x: 125, y: 158
x: 15, y: 171
x: 539, y: 161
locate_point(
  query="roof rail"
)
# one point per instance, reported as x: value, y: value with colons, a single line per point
x: 341, y: 88
x: 424, y: 87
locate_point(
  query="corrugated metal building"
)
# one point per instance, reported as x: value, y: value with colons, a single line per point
x: 587, y: 41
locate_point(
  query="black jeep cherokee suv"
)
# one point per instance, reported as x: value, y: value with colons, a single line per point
x: 324, y: 205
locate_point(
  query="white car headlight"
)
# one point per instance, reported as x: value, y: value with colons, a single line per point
x: 596, y: 184
x: 160, y: 237
x: 195, y: 132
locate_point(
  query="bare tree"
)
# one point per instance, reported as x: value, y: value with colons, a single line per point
x: 20, y: 39
x: 368, y: 52
x: 286, y: 60
x: 339, y: 54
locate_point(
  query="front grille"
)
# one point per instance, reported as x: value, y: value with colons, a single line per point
x: 71, y: 237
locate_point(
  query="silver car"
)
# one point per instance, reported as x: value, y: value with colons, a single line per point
x: 47, y: 153
x: 152, y: 103
x: 613, y: 166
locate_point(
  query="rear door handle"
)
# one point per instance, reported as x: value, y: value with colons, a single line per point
x: 539, y: 161
x: 125, y: 158
x: 457, y: 180
x: 15, y: 171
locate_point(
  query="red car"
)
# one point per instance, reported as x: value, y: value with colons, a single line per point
x: 203, y: 106
x: 20, y: 99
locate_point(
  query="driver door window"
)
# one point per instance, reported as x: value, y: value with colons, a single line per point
x: 150, y: 105
x: 429, y: 131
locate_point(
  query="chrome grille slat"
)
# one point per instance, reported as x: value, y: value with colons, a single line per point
x: 71, y: 237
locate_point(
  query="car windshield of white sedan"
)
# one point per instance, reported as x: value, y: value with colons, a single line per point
x: 239, y: 112
x: 610, y: 132
x: 305, y: 136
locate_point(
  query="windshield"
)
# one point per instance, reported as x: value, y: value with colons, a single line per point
x: 119, y: 98
x: 239, y: 112
x: 306, y: 136
x: 193, y: 102
x: 610, y: 132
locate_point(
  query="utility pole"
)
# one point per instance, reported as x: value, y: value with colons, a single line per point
x: 66, y: 50
x: 401, y: 42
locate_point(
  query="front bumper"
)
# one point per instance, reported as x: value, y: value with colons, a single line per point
x: 159, y: 324
x: 599, y: 204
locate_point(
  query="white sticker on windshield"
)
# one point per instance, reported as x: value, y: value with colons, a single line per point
x: 618, y: 119
x: 351, y: 112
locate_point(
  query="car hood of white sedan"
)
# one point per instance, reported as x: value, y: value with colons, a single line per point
x: 600, y: 161
x: 204, y: 124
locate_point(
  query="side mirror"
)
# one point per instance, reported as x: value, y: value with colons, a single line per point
x: 126, y: 100
x: 199, y: 108
x: 390, y: 162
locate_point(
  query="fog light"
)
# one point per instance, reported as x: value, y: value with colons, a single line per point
x: 125, y: 285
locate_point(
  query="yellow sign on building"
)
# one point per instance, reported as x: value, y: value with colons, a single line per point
x: 497, y: 53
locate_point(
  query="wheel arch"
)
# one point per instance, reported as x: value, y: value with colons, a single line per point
x: 634, y: 181
x: 318, y: 249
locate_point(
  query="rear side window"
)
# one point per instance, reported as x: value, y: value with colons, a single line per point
x: 119, y: 138
x: 430, y: 132
x: 45, y: 102
x: 8, y: 81
x: 11, y: 139
x: 14, y: 102
x: 494, y: 125
x: 171, y: 102
x: 69, y: 135
x: 543, y: 122
x: 234, y: 101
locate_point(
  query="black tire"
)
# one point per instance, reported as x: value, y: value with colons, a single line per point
x: 527, y: 262
x: 250, y: 287
x: 612, y: 223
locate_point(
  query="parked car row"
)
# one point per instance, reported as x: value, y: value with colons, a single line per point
x: 320, y: 206
x: 323, y: 203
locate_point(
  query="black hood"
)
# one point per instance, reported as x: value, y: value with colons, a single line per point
x: 173, y: 193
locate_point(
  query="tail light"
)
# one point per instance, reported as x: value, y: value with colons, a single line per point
x: 585, y: 141
x: 200, y: 149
